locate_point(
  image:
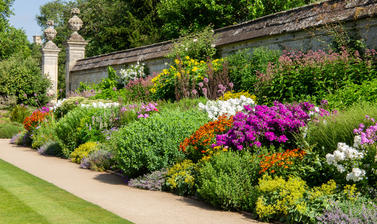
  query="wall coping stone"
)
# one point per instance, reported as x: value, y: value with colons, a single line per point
x: 301, y: 18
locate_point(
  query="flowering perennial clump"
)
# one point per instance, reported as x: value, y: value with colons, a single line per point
x: 346, y: 156
x: 143, y: 110
x: 367, y: 135
x: 229, y: 107
x: 132, y: 73
x: 36, y: 118
x: 235, y: 95
x: 100, y: 105
x: 276, y: 161
x: 269, y: 125
x: 203, y: 138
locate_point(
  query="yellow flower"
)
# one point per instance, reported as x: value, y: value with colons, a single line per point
x: 187, y: 58
x: 177, y: 61
x: 195, y: 69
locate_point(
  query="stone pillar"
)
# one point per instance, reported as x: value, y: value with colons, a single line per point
x: 75, y: 46
x: 50, y: 54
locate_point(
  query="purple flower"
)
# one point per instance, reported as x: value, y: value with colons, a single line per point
x: 266, y: 125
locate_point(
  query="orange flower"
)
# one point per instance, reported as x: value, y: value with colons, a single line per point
x: 34, y: 119
x: 205, y: 134
x: 278, y: 160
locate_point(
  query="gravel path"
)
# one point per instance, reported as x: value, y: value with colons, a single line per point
x: 109, y: 191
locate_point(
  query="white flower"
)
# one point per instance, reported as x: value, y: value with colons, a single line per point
x: 339, y: 156
x: 356, y: 175
x: 357, y: 142
x: 229, y: 107
x: 330, y: 159
x: 340, y: 168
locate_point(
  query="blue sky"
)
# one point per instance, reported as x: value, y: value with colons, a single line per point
x: 25, y: 12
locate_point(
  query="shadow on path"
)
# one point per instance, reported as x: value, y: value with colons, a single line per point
x: 110, y: 178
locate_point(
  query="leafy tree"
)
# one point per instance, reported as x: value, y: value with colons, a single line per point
x: 180, y: 17
x: 12, y: 40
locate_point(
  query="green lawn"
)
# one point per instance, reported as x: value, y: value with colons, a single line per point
x: 27, y: 199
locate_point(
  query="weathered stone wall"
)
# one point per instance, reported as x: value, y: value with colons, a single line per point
x: 300, y: 29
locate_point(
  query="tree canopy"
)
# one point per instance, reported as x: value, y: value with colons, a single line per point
x: 12, y: 40
x: 111, y: 25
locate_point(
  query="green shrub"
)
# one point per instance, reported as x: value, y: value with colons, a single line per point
x: 353, y: 94
x: 245, y: 65
x: 227, y: 180
x: 184, y: 104
x: 67, y: 105
x: 99, y: 160
x: 8, y: 129
x: 152, y: 144
x: 198, y: 45
x: 313, y: 75
x: 85, y: 124
x: 325, y: 135
x: 23, y: 78
x: 83, y: 151
x: 291, y: 200
x: 180, y: 178
x: 19, y: 113
x: 51, y: 148
x: 45, y: 133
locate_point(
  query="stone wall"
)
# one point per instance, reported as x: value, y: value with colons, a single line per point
x: 300, y: 29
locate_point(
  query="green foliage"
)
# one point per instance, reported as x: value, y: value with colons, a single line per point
x: 352, y: 94
x: 199, y: 45
x: 13, y: 42
x: 183, y: 105
x: 227, y: 180
x: 245, y: 65
x: 180, y: 178
x: 84, y: 124
x: 186, y: 16
x: 99, y: 160
x: 313, y: 75
x: 8, y: 129
x: 152, y: 144
x: 109, y: 25
x: 183, y: 77
x: 292, y: 200
x: 19, y: 113
x: 326, y: 134
x: 50, y: 148
x: 68, y: 105
x: 83, y: 151
x: 45, y: 133
x: 22, y: 78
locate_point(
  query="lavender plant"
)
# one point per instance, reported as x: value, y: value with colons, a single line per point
x: 349, y: 212
x: 99, y: 160
x: 152, y: 181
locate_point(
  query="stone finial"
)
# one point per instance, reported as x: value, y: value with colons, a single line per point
x: 75, y: 23
x: 75, y: 11
x: 50, y: 32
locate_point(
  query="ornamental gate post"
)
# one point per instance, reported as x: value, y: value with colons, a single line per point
x: 50, y: 54
x: 75, y: 46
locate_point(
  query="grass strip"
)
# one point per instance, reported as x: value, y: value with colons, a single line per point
x: 28, y: 199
